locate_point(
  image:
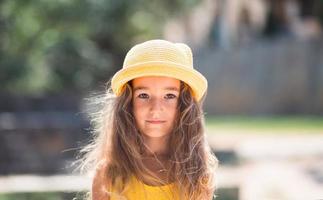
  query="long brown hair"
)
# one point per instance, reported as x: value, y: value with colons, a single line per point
x: 117, y: 146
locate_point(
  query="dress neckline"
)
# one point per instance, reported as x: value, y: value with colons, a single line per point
x: 154, y: 186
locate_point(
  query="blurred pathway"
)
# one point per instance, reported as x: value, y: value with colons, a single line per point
x: 262, y: 167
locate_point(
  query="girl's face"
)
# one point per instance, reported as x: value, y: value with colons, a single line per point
x: 155, y: 101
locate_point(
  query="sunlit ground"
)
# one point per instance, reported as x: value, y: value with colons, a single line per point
x: 265, y: 125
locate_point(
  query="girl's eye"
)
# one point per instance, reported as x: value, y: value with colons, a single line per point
x: 143, y: 96
x: 170, y: 96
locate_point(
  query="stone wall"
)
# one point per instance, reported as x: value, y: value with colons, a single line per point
x: 266, y: 77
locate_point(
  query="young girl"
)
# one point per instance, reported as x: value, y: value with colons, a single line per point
x: 149, y: 141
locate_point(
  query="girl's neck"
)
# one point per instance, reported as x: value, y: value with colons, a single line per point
x: 157, y: 146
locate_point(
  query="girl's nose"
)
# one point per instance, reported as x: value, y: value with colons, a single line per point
x: 156, y: 105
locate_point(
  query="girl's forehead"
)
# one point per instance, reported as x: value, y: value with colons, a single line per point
x: 149, y: 82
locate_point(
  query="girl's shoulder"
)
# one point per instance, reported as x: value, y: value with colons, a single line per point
x: 100, y: 182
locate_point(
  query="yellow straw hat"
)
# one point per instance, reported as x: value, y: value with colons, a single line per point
x: 160, y: 58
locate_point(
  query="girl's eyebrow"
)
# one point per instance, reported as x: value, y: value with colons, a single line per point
x: 146, y: 88
x: 172, y: 88
x: 140, y: 88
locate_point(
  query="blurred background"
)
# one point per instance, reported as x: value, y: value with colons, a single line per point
x: 263, y: 60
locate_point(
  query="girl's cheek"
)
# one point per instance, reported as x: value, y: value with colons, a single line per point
x: 172, y: 103
x: 170, y: 106
x: 141, y: 104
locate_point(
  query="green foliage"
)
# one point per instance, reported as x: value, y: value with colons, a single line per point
x: 49, y: 46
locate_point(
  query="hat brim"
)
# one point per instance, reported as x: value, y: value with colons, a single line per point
x: 193, y: 78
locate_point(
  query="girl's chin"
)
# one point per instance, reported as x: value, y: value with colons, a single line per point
x: 155, y: 135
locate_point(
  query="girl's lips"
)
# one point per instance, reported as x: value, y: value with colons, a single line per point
x: 155, y: 121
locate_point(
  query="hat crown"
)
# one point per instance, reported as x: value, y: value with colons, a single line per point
x: 159, y: 51
x: 160, y: 58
